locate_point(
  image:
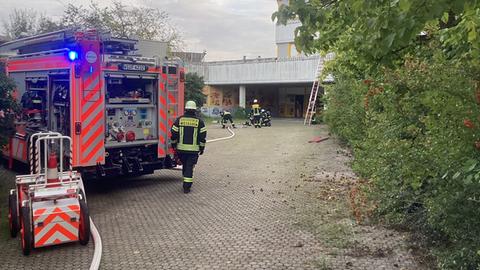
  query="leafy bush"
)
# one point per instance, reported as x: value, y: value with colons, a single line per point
x: 413, y: 123
x: 193, y: 88
x: 345, y: 114
x: 239, y: 113
x: 415, y: 131
x: 7, y: 106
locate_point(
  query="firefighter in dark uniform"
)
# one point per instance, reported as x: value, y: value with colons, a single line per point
x: 256, y: 114
x: 188, y: 139
x: 226, y: 116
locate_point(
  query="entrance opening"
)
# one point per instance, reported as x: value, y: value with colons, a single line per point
x: 60, y: 104
x: 299, y: 100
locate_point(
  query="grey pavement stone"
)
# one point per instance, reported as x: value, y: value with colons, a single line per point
x: 248, y: 197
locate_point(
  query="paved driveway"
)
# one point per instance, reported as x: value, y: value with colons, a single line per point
x: 251, y: 208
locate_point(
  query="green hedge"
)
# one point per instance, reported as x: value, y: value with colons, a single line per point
x: 415, y: 132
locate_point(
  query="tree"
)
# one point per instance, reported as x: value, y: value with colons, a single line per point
x: 21, y: 22
x: 7, y: 106
x: 124, y: 21
x: 193, y: 88
x: 25, y: 22
x: 46, y: 24
x: 118, y: 19
x: 382, y: 31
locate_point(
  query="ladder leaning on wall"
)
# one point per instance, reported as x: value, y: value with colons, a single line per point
x: 312, y: 101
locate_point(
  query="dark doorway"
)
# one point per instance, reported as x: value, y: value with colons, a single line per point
x: 299, y: 106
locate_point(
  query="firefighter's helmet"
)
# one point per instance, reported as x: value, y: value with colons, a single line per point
x: 255, y: 101
x: 190, y: 105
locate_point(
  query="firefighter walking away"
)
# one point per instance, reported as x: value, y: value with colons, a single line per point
x: 188, y: 139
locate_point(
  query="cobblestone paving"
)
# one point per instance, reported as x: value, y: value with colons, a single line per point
x: 251, y: 208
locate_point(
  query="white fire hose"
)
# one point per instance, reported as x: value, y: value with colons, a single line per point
x: 97, y: 255
x: 223, y: 138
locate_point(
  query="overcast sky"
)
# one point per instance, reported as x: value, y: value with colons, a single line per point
x: 226, y: 29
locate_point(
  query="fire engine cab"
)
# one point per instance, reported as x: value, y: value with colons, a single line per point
x: 116, y: 105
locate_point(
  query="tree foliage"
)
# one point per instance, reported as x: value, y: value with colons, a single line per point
x: 25, y: 22
x: 407, y: 100
x: 7, y: 106
x: 124, y: 21
x: 120, y: 20
x: 383, y: 31
x: 193, y: 88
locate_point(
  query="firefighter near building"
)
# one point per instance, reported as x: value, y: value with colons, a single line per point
x: 188, y: 139
x: 256, y: 113
x: 226, y: 117
x: 114, y: 104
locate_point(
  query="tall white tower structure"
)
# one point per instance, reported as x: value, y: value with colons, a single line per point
x: 284, y: 36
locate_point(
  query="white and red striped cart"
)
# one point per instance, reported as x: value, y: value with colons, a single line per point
x: 49, y: 206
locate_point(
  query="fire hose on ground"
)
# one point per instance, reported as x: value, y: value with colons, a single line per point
x: 223, y: 138
x: 97, y: 255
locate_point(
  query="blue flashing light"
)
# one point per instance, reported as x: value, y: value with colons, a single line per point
x: 72, y: 55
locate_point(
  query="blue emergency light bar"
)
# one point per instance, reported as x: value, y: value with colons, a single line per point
x: 72, y: 55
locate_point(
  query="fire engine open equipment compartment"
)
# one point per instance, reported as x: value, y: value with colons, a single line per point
x: 131, y: 103
x: 116, y: 105
x: 59, y: 92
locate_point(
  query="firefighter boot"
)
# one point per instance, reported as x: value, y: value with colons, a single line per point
x: 186, y: 187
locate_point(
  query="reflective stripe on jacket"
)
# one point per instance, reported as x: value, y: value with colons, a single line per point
x: 256, y: 109
x: 189, y: 134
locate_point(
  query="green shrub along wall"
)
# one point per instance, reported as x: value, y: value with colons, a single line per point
x: 415, y: 132
x: 406, y: 99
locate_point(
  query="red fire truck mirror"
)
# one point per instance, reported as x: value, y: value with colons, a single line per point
x: 78, y: 128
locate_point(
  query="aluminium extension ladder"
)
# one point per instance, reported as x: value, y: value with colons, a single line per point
x: 311, y: 109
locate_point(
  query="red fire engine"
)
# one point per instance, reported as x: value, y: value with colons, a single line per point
x: 117, y: 106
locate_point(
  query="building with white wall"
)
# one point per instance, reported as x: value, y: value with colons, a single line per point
x: 281, y: 84
x: 285, y: 36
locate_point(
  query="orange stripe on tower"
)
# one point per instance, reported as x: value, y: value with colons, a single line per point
x: 90, y: 79
x: 92, y: 138
x: 75, y: 208
x: 94, y: 121
x: 163, y: 127
x: 57, y: 212
x: 90, y: 95
x: 172, y: 98
x: 91, y: 109
x: 38, y: 213
x: 93, y: 152
x: 56, y: 228
x: 163, y: 101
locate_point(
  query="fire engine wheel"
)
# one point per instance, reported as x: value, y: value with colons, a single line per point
x: 84, y: 228
x: 13, y: 215
x: 26, y: 231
